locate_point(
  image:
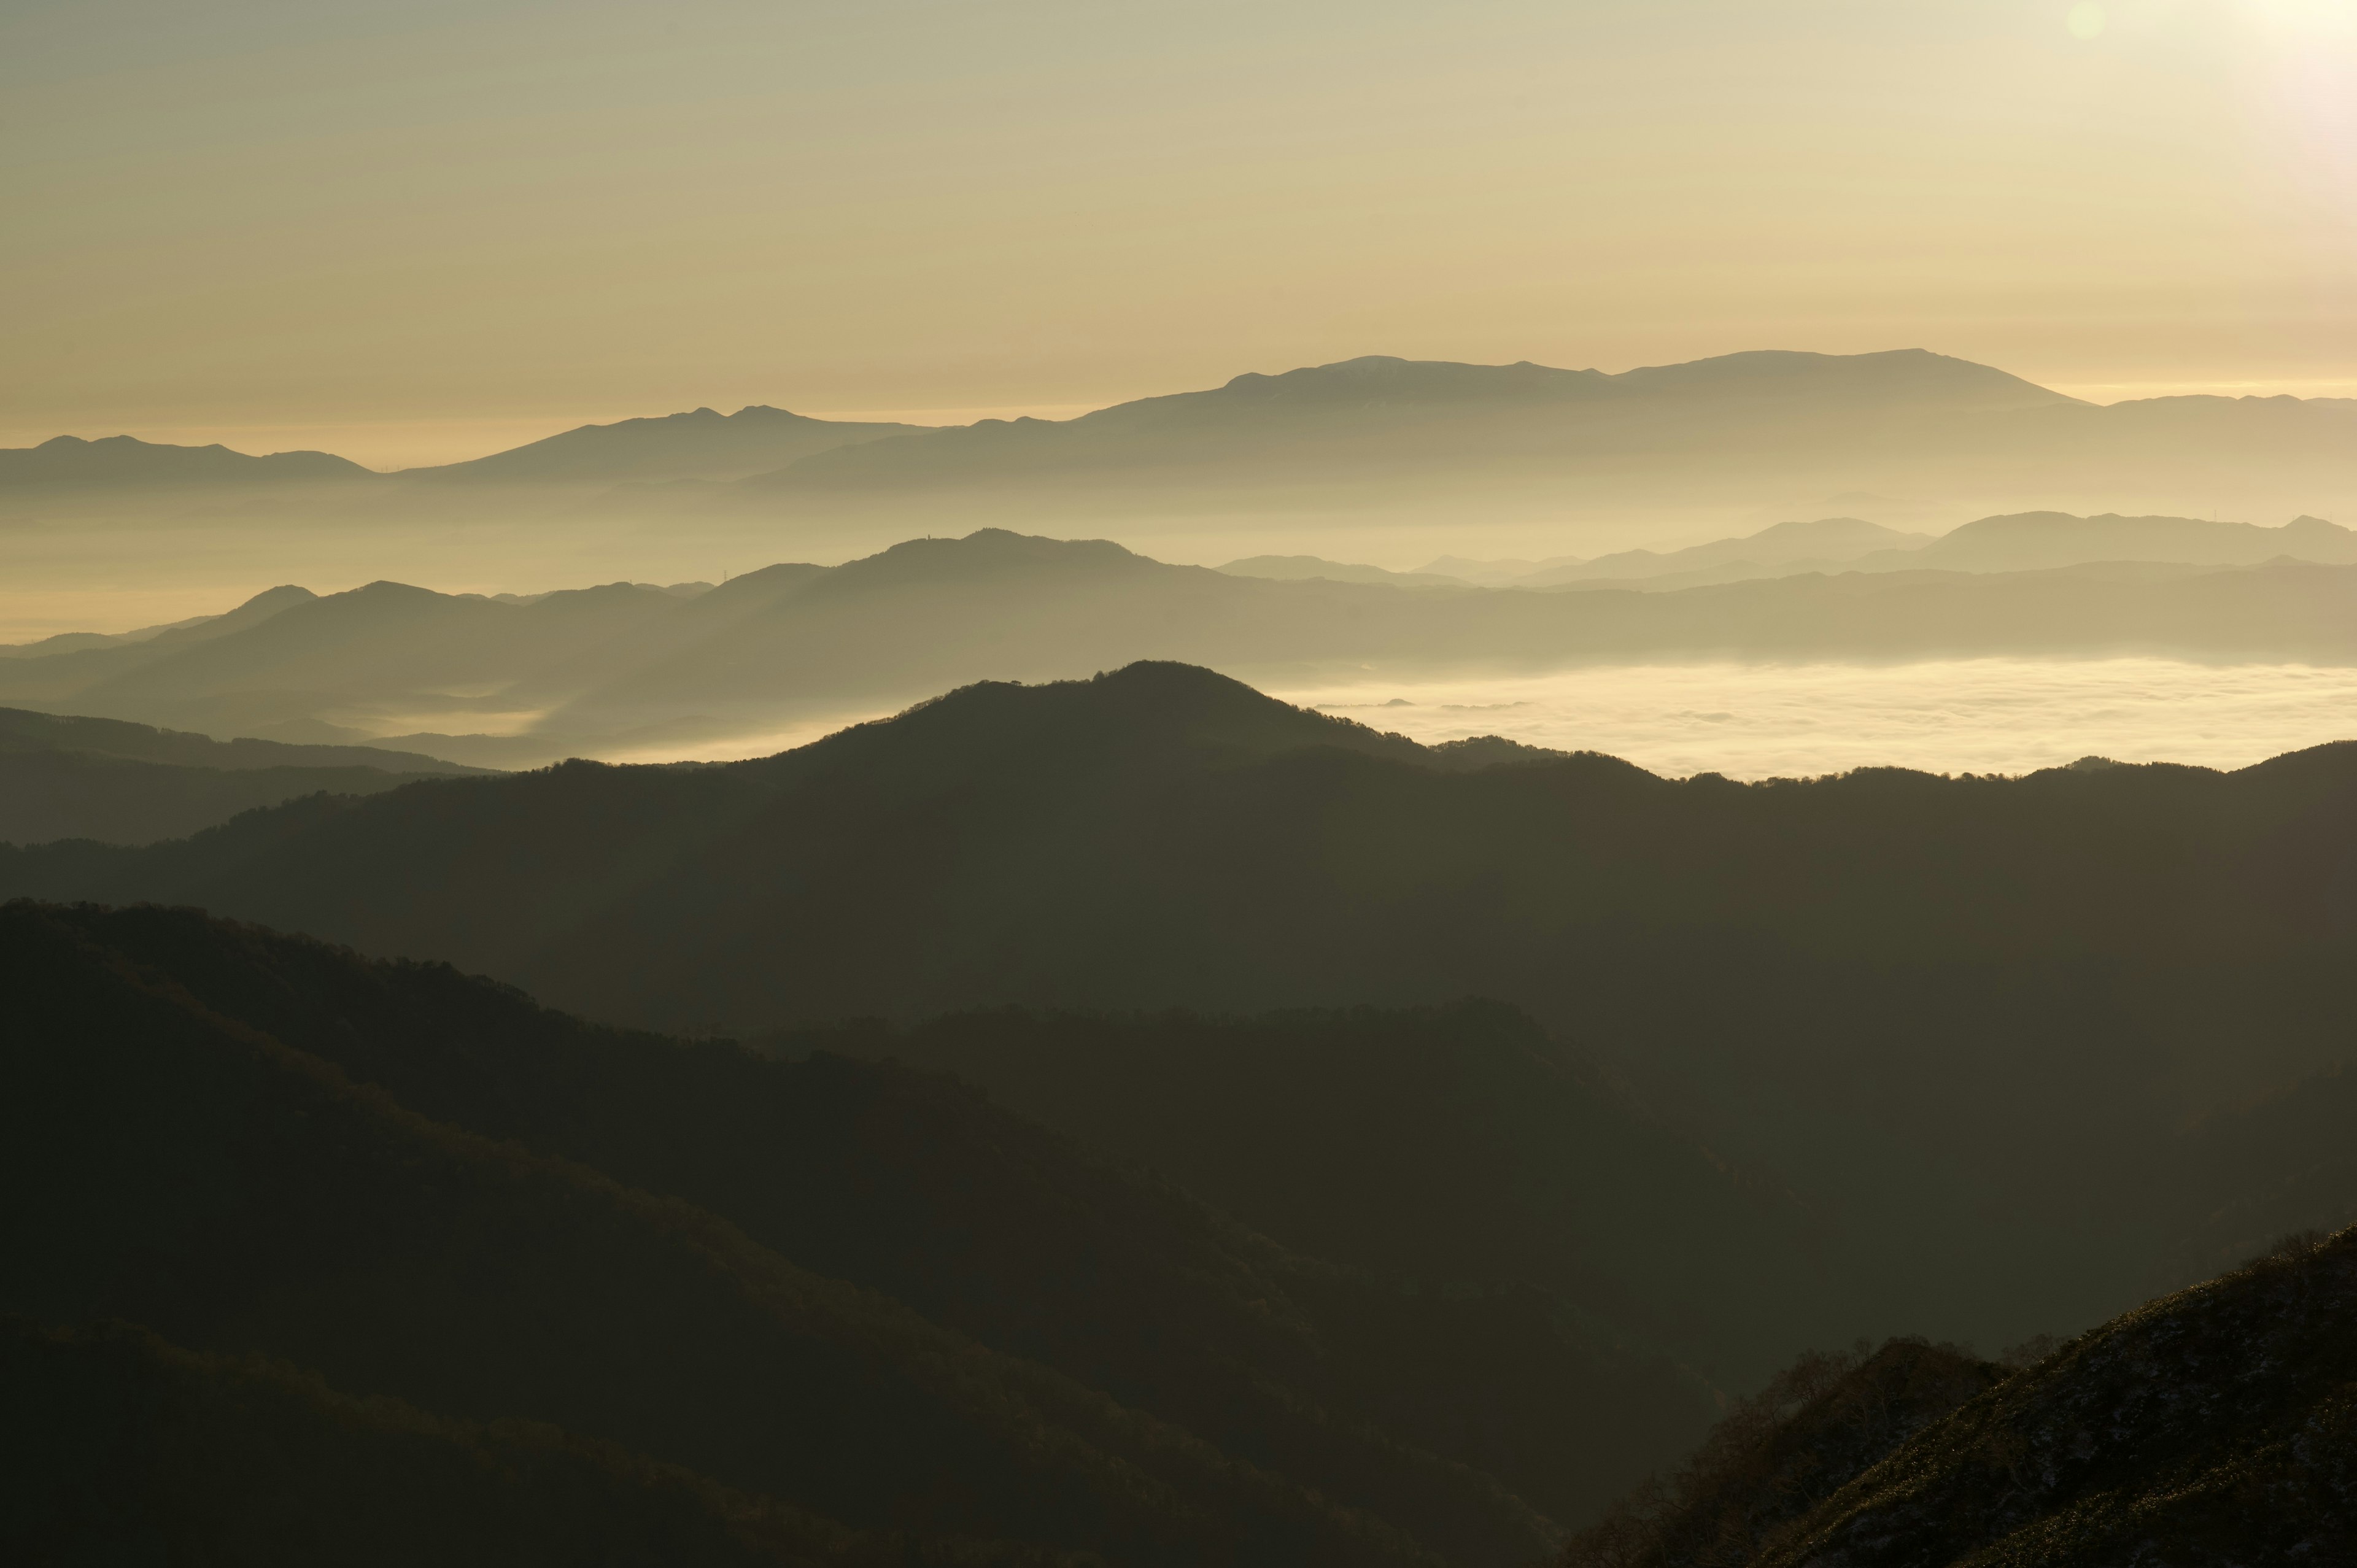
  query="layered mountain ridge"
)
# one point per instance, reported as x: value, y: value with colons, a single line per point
x: 1163, y: 836
x: 634, y: 669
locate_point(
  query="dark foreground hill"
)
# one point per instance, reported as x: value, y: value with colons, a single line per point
x: 1449, y: 1144
x: 860, y: 1292
x: 1963, y: 1019
x: 2215, y: 1426
x: 147, y: 1451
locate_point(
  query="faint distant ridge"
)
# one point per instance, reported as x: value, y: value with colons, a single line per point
x: 174, y: 634
x: 1303, y: 568
x: 69, y: 778
x: 1788, y: 545
x: 1462, y: 410
x: 699, y: 445
x: 2029, y: 542
x: 2016, y: 542
x: 127, y: 460
x: 793, y: 646
x: 23, y: 732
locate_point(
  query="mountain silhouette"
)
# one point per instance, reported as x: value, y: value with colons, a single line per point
x: 125, y: 460
x: 857, y: 1290
x: 702, y: 445
x: 1385, y: 412
x: 1525, y: 447
x: 1164, y: 836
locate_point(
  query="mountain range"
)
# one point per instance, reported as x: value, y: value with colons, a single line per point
x: 1386, y: 437
x: 361, y: 1261
x: 634, y: 669
x: 1978, y: 1101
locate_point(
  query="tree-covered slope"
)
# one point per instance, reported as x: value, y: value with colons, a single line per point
x: 862, y: 1291
x: 2214, y: 1426
x: 1956, y: 1015
x: 1453, y: 1144
x: 140, y: 1451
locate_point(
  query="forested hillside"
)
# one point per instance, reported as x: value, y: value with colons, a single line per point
x: 2216, y: 1425
x: 860, y: 1291
x: 1963, y: 1020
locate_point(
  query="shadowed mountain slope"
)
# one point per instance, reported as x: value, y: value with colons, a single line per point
x: 1764, y: 960
x: 2214, y: 1426
x: 1815, y: 1428
x: 2218, y: 1425
x: 148, y: 1448
x: 2253, y: 1174
x: 64, y: 777
x: 702, y: 445
x: 483, y: 1262
x: 1455, y: 1144
x: 125, y: 460
x: 22, y: 732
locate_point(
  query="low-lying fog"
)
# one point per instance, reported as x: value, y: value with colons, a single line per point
x: 1976, y: 715
x: 1754, y: 721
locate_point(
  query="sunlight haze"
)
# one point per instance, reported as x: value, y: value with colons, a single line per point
x: 464, y: 222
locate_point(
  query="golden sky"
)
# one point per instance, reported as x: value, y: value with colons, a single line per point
x: 416, y: 229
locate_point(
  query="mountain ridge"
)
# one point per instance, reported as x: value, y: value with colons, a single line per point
x: 700, y: 443
x: 68, y: 460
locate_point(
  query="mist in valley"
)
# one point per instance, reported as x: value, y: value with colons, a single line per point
x: 949, y: 786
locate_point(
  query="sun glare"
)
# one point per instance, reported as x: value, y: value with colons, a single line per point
x: 2331, y: 18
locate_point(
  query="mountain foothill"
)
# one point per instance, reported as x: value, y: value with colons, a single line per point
x: 1055, y: 1105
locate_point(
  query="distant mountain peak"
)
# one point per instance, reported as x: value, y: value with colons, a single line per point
x: 127, y: 460
x: 696, y: 444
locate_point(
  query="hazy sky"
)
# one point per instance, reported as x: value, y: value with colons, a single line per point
x: 411, y: 230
